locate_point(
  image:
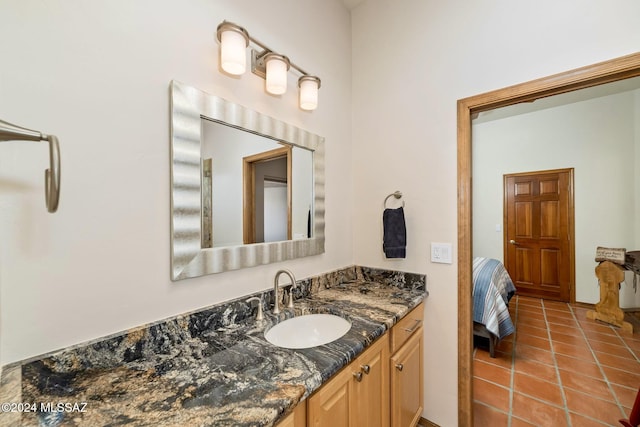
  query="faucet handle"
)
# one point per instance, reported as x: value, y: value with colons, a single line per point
x: 290, y: 303
x: 259, y: 315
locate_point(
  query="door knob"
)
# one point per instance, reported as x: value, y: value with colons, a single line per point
x: 513, y: 242
x: 399, y: 367
x: 365, y: 368
x: 357, y: 376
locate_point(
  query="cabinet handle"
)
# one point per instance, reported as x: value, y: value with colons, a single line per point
x: 399, y: 366
x: 357, y: 376
x: 365, y: 369
x: 415, y: 326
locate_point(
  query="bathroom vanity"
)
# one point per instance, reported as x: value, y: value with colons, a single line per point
x: 215, y: 367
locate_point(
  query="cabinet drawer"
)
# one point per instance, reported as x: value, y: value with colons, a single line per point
x: 402, y: 330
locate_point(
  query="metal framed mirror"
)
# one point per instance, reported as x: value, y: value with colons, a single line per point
x: 195, y: 249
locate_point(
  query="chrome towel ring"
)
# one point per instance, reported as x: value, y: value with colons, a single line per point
x: 396, y: 194
x: 10, y: 132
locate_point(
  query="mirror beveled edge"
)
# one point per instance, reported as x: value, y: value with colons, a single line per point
x: 592, y: 75
x: 188, y: 258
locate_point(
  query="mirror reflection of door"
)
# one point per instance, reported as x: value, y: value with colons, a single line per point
x: 267, y: 196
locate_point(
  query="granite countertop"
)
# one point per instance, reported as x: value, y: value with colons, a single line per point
x: 198, y: 370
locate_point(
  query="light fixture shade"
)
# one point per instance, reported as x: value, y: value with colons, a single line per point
x: 233, y: 48
x: 309, y: 86
x: 277, y: 67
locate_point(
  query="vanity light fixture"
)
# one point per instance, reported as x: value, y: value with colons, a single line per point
x: 269, y: 65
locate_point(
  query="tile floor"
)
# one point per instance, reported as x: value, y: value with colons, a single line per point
x: 558, y: 369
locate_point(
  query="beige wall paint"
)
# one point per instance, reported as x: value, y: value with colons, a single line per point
x: 411, y: 64
x: 596, y: 138
x: 96, y: 74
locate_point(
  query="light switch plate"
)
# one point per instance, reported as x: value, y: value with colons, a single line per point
x: 441, y: 253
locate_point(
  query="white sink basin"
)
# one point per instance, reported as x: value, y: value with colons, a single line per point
x: 308, y: 331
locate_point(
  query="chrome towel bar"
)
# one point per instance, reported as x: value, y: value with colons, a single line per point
x: 11, y: 132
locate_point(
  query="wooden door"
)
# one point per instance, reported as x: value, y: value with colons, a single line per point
x: 539, y: 233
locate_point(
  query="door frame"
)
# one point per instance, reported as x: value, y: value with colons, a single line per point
x: 249, y: 190
x: 591, y: 75
x: 571, y: 225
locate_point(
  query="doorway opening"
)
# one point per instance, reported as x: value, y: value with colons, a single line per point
x: 589, y: 76
x: 267, y: 196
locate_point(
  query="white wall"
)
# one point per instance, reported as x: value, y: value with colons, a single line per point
x: 596, y: 138
x: 410, y: 65
x: 96, y: 74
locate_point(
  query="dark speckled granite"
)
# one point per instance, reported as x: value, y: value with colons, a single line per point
x: 213, y: 366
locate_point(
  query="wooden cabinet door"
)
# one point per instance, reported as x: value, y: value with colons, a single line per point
x: 358, y: 396
x: 406, y: 382
x: 331, y: 404
x: 538, y: 245
x: 298, y: 418
x: 371, y: 403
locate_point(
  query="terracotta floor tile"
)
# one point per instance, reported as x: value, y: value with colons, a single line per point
x: 533, y: 353
x: 575, y: 339
x: 538, y: 413
x: 537, y: 342
x: 485, y: 416
x: 634, y: 346
x: 592, y: 407
x: 538, y: 323
x: 597, y: 336
x: 505, y: 346
x: 592, y: 325
x: 626, y: 395
x: 616, y: 350
x: 517, y: 422
x: 620, y: 377
x: 561, y: 321
x: 580, y: 312
x: 627, y: 364
x: 524, y: 310
x: 556, y: 305
x: 582, y: 421
x: 584, y: 384
x: 526, y: 315
x: 578, y: 351
x: 491, y: 394
x: 564, y: 329
x: 534, y: 387
x: 539, y: 370
x: 501, y: 359
x: 535, y: 302
x: 532, y: 331
x: 580, y: 366
x: 492, y: 373
x: 598, y: 365
x: 565, y: 314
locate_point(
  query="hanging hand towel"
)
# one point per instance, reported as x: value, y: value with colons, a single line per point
x: 394, y: 241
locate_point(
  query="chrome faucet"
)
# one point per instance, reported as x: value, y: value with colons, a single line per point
x: 276, y: 304
x: 259, y: 315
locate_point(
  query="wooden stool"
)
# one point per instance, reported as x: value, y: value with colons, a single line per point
x: 608, y: 309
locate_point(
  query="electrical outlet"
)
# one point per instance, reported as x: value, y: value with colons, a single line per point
x: 441, y: 253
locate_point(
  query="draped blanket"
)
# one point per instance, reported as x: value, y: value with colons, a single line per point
x: 492, y: 290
